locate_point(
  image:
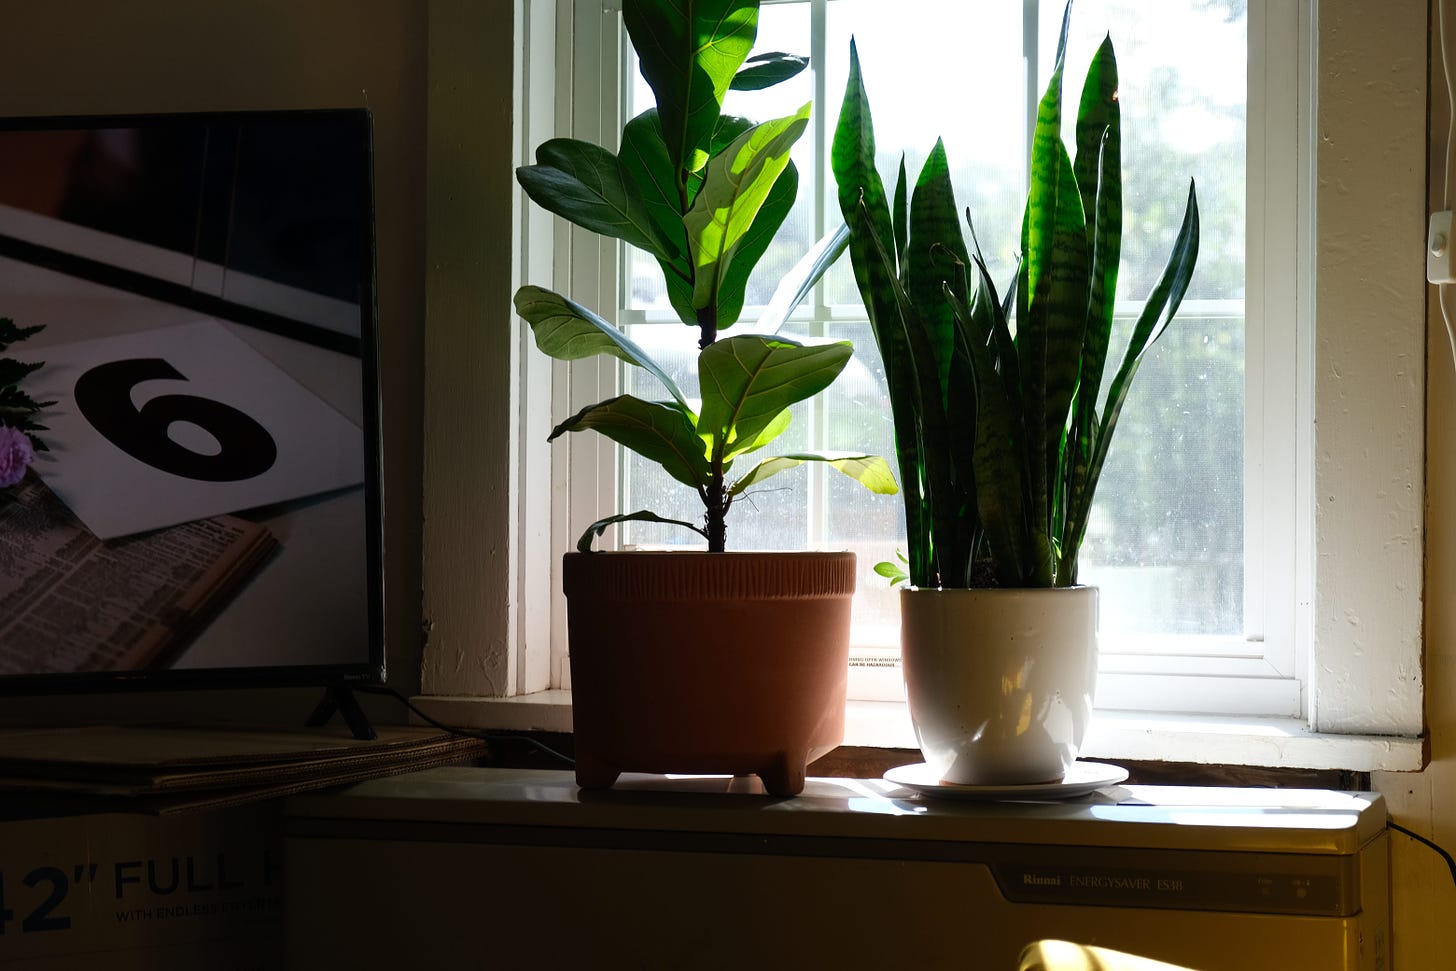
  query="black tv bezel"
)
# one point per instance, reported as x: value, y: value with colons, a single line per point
x: 369, y: 672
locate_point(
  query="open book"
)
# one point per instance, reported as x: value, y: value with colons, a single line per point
x: 70, y: 602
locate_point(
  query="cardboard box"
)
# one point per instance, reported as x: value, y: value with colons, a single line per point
x: 120, y: 891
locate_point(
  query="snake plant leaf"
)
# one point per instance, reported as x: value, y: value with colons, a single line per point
x: 596, y: 529
x: 1098, y: 168
x: 747, y: 380
x: 999, y: 310
x: 1043, y: 237
x: 765, y: 70
x: 1157, y: 313
x: 935, y: 260
x: 754, y: 243
x: 852, y: 158
x: 590, y: 187
x: 924, y: 436
x: 567, y: 331
x: 660, y: 431
x: 870, y: 471
x: 799, y: 281
x: 935, y: 250
x: 900, y: 216
x: 872, y: 247
x: 1001, y: 493
x: 689, y: 51
x: 1068, y: 297
x: 736, y: 183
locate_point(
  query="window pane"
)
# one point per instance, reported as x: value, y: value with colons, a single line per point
x: 960, y: 81
x: 873, y: 526
x: 1166, y: 542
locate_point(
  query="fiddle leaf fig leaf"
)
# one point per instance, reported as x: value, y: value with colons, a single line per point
x: 752, y: 246
x: 660, y: 431
x: 589, y: 186
x: 729, y: 128
x: 765, y: 70
x: 595, y: 530
x: 747, y: 380
x: 736, y: 183
x: 771, y: 431
x: 870, y: 471
x: 644, y: 156
x: 689, y: 51
x: 567, y: 331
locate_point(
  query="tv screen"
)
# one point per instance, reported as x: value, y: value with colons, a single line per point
x: 192, y: 308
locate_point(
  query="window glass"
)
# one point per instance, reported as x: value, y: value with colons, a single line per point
x: 1167, y: 538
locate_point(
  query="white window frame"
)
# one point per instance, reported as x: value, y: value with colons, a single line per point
x: 1364, y: 681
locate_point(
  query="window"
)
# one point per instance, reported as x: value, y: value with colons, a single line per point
x: 1169, y: 536
x: 1359, y: 609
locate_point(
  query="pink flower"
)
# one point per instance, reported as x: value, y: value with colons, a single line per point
x: 15, y: 455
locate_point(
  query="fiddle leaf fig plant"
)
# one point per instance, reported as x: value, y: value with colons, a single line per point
x: 704, y: 193
x: 1001, y: 422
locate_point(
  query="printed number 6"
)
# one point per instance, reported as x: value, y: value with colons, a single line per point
x: 103, y: 395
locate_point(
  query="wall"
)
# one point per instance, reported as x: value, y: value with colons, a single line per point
x: 1426, y: 801
x: 80, y: 57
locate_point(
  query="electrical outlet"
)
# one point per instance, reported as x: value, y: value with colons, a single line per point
x: 1440, y: 267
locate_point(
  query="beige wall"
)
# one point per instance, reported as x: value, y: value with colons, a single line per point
x: 74, y: 56
x: 1424, y: 934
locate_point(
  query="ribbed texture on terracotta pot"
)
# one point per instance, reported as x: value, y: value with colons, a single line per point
x: 732, y: 663
x: 695, y: 575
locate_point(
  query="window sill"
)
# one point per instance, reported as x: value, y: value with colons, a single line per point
x: 1133, y: 736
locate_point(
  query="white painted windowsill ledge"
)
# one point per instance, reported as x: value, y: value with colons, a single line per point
x: 1135, y: 736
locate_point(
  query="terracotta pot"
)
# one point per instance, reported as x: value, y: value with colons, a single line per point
x: 707, y: 662
x: 1000, y: 682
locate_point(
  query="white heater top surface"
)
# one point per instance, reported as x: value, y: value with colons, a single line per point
x: 1304, y: 821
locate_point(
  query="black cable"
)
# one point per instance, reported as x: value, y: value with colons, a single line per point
x: 381, y: 689
x: 1450, y: 863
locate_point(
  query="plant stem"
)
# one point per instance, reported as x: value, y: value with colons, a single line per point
x: 715, y: 519
x: 715, y: 496
x: 707, y: 327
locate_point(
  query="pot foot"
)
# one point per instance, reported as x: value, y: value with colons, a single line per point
x: 592, y: 773
x: 785, y: 776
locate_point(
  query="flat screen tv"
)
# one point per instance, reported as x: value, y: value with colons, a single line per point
x: 206, y: 508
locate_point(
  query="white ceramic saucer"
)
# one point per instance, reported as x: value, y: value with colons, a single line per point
x: 1081, y: 778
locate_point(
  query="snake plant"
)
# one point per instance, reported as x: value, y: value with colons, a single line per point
x: 704, y: 193
x: 1001, y: 422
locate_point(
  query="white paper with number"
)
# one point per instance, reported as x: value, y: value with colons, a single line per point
x: 144, y: 484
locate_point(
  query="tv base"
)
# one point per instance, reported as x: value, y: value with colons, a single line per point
x: 339, y: 697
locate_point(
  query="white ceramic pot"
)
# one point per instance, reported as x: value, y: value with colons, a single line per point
x: 1000, y: 681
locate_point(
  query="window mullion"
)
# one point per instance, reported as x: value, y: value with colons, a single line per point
x: 816, y: 490
x: 1030, y: 82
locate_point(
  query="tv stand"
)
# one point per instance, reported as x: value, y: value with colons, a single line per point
x: 339, y: 697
